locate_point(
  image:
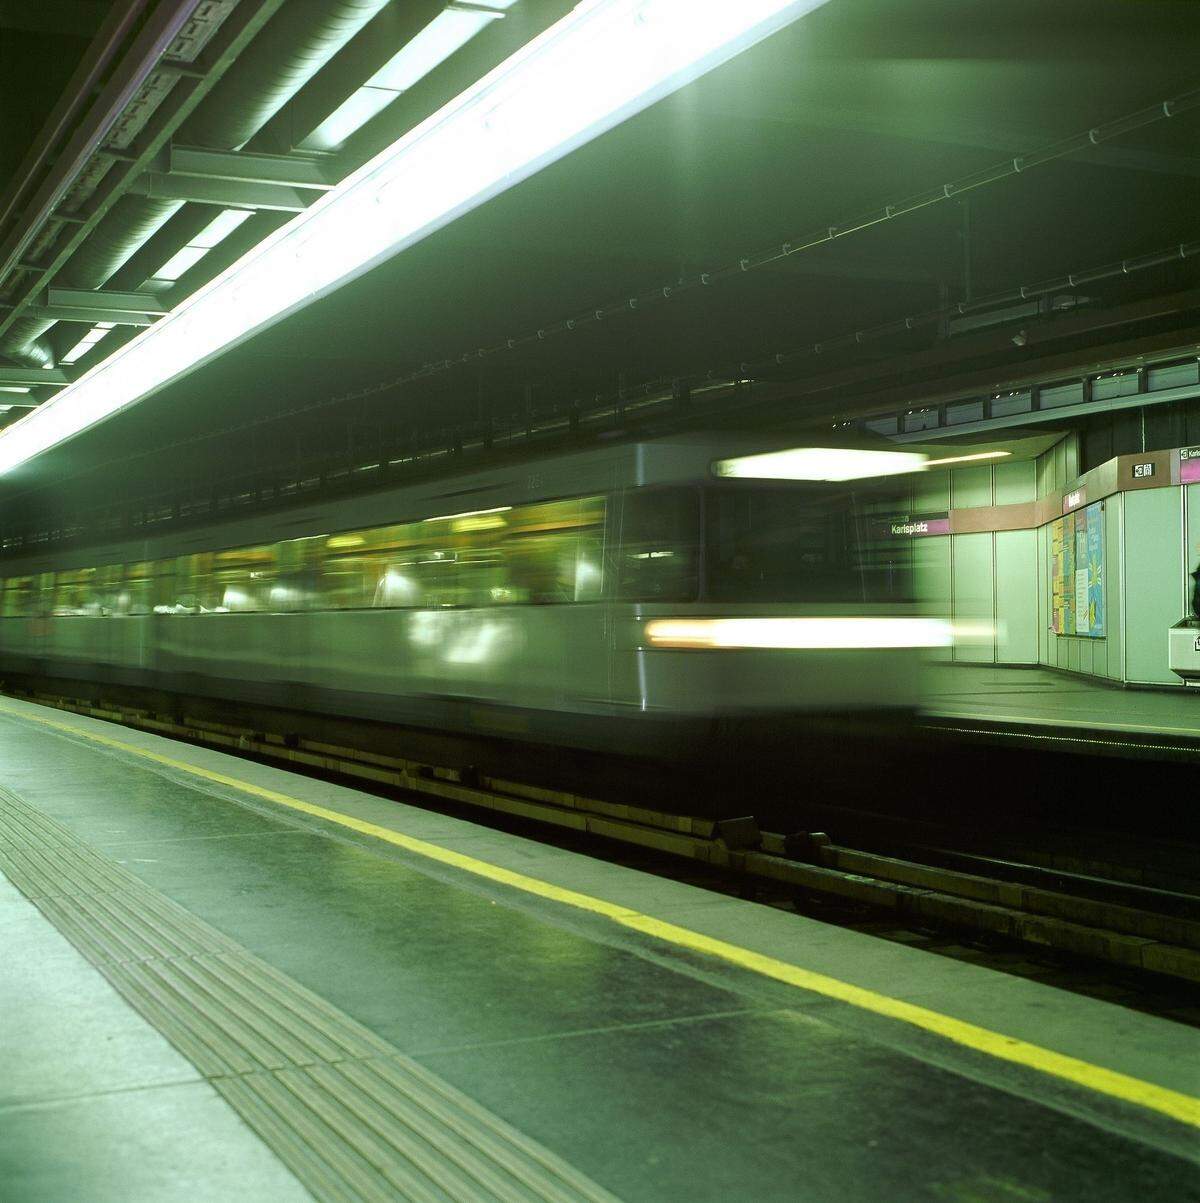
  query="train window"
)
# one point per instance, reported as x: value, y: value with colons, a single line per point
x: 797, y: 544
x: 84, y: 591
x: 660, y: 545
x: 543, y: 553
x: 224, y: 582
x: 22, y: 596
x: 148, y: 588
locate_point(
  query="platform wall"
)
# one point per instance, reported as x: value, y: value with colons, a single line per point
x: 1152, y: 543
x: 999, y: 582
x: 988, y: 582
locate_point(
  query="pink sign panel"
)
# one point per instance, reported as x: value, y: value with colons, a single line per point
x: 1189, y: 466
x: 918, y: 528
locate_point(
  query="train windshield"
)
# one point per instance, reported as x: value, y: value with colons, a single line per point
x: 802, y: 543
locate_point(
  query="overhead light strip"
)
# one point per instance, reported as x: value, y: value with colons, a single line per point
x: 603, y: 62
x: 443, y: 37
x: 214, y: 233
x: 820, y: 464
x: 967, y: 459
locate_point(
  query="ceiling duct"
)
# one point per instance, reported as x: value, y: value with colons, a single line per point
x: 294, y: 45
x: 297, y: 43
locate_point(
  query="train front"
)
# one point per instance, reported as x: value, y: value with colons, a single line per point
x: 780, y: 598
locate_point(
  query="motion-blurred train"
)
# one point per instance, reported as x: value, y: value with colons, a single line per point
x: 624, y: 597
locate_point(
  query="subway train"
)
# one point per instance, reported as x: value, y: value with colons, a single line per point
x: 648, y: 598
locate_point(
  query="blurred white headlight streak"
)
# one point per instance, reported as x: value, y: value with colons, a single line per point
x: 603, y: 62
x: 821, y: 463
x: 799, y: 633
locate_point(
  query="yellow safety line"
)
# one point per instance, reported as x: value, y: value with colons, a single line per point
x: 1178, y: 1106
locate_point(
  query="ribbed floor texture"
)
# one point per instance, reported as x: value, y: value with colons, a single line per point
x: 351, y: 1117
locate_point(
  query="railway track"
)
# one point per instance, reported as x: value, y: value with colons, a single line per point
x: 1140, y: 919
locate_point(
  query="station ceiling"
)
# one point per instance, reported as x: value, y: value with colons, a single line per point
x: 859, y: 105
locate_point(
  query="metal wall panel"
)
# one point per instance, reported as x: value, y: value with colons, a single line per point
x: 1154, y: 575
x: 1015, y: 482
x: 1016, y: 597
x: 931, y: 568
x: 974, y: 594
x: 971, y: 487
x: 1114, y: 509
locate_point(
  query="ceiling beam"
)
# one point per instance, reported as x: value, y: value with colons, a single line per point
x: 236, y: 32
x: 228, y: 194
x: 111, y: 303
x: 91, y: 315
x: 243, y: 167
x: 33, y: 376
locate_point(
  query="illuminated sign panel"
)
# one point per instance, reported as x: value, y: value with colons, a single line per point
x: 918, y: 527
x: 1189, y: 466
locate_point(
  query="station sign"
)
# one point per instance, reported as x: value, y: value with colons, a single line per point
x: 1073, y: 500
x: 1143, y: 471
x: 917, y: 526
x: 1189, y: 466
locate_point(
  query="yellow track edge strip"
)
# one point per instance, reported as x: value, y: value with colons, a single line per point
x: 1184, y: 1108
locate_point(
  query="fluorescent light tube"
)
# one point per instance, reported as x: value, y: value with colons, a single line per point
x: 185, y: 258
x: 820, y: 463
x: 220, y: 227
x: 603, y: 62
x: 967, y: 459
x: 354, y: 112
x: 447, y: 33
x: 86, y: 343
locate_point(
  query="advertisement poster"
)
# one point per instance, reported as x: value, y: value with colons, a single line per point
x: 1095, y: 568
x: 1080, y: 583
x: 1081, y: 600
x: 1077, y: 573
x: 1057, y: 616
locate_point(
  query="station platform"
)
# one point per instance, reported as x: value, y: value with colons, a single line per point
x: 223, y: 979
x: 1039, y: 701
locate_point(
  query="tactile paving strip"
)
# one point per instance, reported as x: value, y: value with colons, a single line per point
x: 351, y: 1117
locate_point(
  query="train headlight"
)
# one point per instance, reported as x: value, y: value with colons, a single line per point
x: 799, y: 633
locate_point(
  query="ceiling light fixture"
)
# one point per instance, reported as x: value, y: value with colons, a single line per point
x: 603, y: 62
x: 188, y: 256
x: 820, y: 463
x: 446, y: 34
x: 966, y: 459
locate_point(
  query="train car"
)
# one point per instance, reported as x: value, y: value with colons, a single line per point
x: 639, y: 597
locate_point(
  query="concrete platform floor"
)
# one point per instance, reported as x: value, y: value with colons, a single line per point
x: 663, y: 1042
x: 1040, y: 697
